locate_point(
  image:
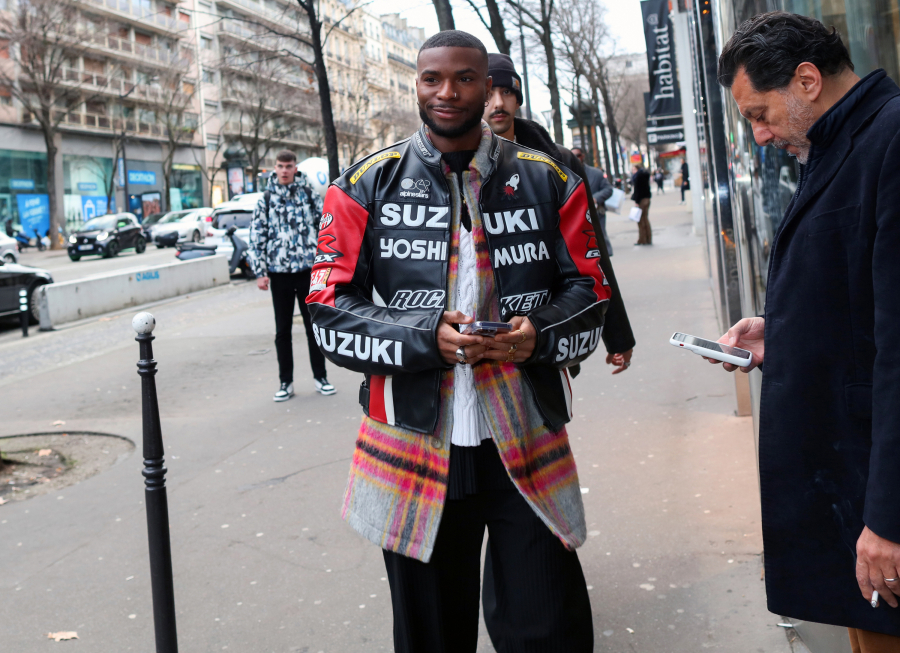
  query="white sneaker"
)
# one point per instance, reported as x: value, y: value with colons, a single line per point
x: 285, y: 392
x: 324, y: 387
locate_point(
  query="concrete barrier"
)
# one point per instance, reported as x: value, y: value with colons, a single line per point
x: 74, y: 300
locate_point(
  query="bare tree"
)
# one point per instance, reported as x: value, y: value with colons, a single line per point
x: 45, y: 40
x: 179, y: 125
x: 207, y: 158
x: 538, y: 16
x: 493, y: 23
x: 268, y: 110
x: 444, y: 14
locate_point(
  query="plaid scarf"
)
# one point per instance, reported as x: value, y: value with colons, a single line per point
x: 398, y: 478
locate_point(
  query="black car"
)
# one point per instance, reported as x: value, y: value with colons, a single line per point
x: 107, y: 235
x: 15, y: 277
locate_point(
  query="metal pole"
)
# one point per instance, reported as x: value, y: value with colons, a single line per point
x: 23, y: 310
x: 127, y: 206
x: 524, y: 66
x: 155, y: 493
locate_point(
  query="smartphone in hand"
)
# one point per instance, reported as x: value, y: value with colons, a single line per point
x: 489, y: 329
x: 710, y: 349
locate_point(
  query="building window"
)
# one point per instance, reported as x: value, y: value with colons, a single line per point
x: 206, y: 43
x: 209, y: 77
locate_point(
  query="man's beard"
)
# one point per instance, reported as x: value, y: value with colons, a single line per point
x: 453, y: 132
x: 800, y: 119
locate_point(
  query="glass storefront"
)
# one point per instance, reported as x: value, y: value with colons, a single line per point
x: 23, y: 189
x: 186, y: 191
x: 89, y: 188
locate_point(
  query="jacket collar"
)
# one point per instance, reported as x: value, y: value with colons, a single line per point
x: 485, y: 157
x: 832, y: 134
x: 531, y: 134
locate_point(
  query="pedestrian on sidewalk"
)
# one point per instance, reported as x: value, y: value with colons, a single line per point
x: 640, y: 182
x: 685, y: 179
x: 504, y: 103
x: 659, y: 177
x: 460, y: 434
x: 283, y: 240
x: 829, y: 424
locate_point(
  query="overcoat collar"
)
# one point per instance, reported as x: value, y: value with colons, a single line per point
x: 832, y: 134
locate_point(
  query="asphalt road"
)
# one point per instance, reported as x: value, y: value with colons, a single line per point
x: 262, y: 559
x: 64, y: 269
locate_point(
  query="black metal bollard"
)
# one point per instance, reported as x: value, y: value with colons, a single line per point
x: 155, y: 494
x: 23, y: 311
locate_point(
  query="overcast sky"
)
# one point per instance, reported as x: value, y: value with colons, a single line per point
x: 623, y: 17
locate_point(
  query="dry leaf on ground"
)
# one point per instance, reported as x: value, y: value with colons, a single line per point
x: 45, y: 452
x: 60, y: 636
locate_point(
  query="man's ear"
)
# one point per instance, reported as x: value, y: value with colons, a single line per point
x: 808, y: 81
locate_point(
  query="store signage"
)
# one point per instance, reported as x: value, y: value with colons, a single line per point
x: 34, y: 213
x: 662, y: 131
x: 94, y: 205
x: 87, y: 185
x: 664, y: 98
x: 21, y: 184
x: 142, y: 177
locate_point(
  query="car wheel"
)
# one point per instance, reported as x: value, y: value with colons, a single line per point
x: 75, y: 257
x: 9, y: 257
x: 195, y: 237
x: 34, y: 303
x: 140, y: 246
x: 158, y: 246
x: 247, y: 271
x: 112, y: 250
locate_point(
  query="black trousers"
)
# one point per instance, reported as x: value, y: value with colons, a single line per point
x: 287, y: 288
x: 535, y: 597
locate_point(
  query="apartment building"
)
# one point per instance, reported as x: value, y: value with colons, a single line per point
x: 167, y: 90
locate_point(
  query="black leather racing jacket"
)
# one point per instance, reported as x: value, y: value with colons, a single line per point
x: 379, y: 283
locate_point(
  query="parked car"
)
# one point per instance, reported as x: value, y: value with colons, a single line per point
x: 9, y: 249
x: 237, y: 212
x: 14, y: 277
x: 107, y: 235
x: 190, y: 225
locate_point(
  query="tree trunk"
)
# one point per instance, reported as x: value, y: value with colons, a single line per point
x: 552, y: 83
x: 596, y: 102
x: 331, y: 144
x: 497, y: 30
x: 444, y: 14
x: 611, y: 124
x: 52, y: 200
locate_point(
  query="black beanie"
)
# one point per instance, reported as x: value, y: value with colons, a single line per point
x: 503, y: 71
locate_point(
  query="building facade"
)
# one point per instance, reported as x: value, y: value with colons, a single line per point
x: 157, y: 92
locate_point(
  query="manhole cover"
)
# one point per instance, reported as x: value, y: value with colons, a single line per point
x: 38, y: 463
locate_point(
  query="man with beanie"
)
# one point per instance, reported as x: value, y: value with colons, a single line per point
x: 499, y: 113
x: 283, y: 239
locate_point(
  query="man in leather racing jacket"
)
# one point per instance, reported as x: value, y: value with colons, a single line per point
x: 464, y: 431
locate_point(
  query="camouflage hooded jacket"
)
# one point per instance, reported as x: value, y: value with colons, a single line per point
x: 284, y: 239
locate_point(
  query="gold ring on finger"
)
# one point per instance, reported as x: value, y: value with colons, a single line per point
x: 513, y: 349
x: 524, y: 337
x: 510, y: 356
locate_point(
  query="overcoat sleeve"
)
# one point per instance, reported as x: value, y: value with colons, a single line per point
x: 882, y: 511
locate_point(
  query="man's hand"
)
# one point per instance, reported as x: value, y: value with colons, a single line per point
x: 523, y: 337
x: 621, y: 361
x: 747, y: 334
x: 262, y: 283
x: 449, y: 339
x: 876, y: 560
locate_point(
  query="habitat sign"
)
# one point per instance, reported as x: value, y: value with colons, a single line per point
x: 664, y: 98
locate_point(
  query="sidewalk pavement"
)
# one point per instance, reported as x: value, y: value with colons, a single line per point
x: 262, y: 560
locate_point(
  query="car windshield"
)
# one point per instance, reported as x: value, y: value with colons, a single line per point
x: 239, y: 219
x: 106, y: 222
x: 153, y: 218
x: 174, y: 216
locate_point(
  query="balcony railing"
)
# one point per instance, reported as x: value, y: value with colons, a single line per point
x: 143, y: 12
x: 115, y: 86
x: 103, y: 122
x: 277, y: 17
x: 399, y: 59
x: 146, y: 53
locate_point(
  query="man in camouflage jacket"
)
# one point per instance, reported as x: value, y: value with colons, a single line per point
x: 283, y: 241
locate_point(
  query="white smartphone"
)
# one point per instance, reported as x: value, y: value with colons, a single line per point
x: 710, y: 349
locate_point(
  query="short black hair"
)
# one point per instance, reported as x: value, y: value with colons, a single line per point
x: 770, y: 46
x: 286, y: 156
x: 454, y: 38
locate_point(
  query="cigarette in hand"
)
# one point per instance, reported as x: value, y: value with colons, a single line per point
x: 874, y: 600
